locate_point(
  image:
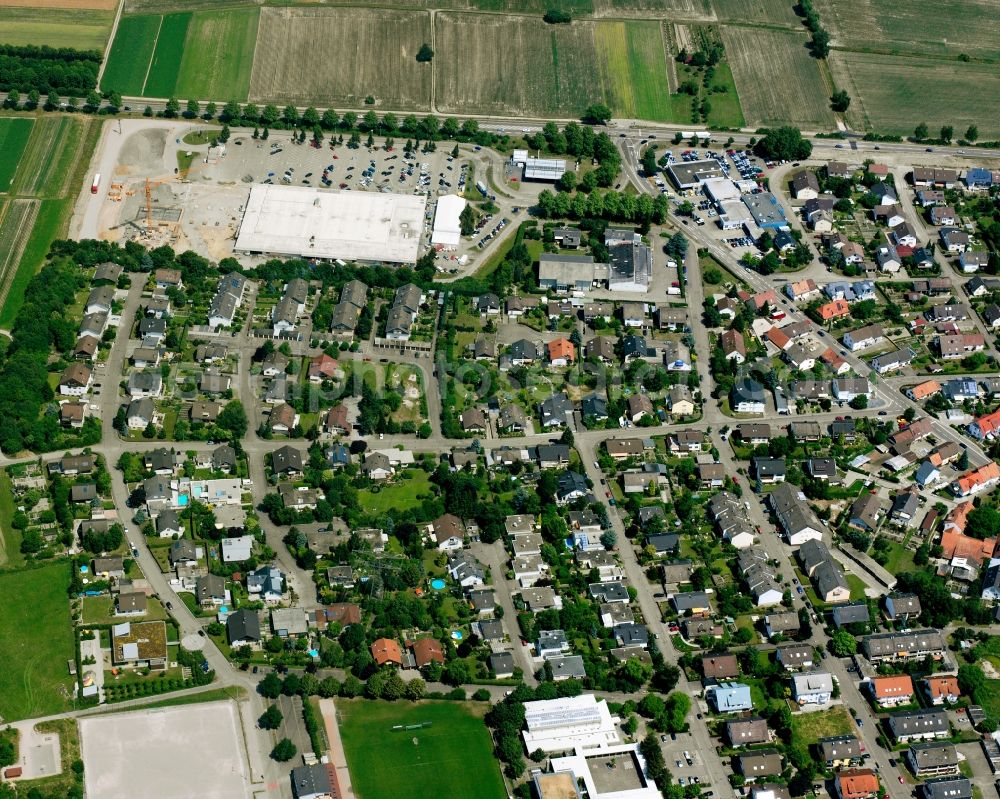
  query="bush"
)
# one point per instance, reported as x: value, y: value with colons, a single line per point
x: 555, y: 16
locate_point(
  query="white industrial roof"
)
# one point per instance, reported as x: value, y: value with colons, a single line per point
x: 544, y: 168
x: 557, y: 725
x: 315, y: 223
x: 721, y: 189
x: 447, y: 228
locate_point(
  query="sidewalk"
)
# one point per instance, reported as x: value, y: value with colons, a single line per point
x: 340, y: 776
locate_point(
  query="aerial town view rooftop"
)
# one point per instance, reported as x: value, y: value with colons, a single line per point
x: 585, y: 399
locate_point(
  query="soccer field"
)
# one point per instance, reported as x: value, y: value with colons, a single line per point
x: 451, y: 759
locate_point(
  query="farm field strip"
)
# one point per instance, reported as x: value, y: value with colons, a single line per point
x: 64, y: 5
x: 44, y: 166
x: 165, y: 65
x: 130, y: 54
x: 218, y: 54
x: 784, y: 87
x: 771, y: 12
x: 14, y: 135
x: 15, y: 230
x: 81, y: 29
x: 633, y: 66
x: 540, y: 69
x: 917, y: 27
x: 894, y: 93
x: 340, y: 55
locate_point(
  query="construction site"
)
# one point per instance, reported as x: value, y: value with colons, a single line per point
x: 163, y: 182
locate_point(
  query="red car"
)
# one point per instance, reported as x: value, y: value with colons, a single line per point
x: 608, y: 494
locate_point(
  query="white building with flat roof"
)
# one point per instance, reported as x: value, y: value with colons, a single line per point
x: 718, y: 190
x: 447, y: 227
x: 550, y: 169
x: 617, y: 772
x: 317, y: 223
x: 560, y: 725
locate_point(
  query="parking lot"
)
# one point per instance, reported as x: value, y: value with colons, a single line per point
x: 684, y: 761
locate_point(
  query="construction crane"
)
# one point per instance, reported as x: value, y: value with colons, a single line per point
x: 179, y: 174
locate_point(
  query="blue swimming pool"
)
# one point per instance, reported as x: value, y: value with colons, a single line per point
x: 182, y: 500
x: 437, y: 584
x: 457, y: 635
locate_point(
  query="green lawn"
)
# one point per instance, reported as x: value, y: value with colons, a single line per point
x: 100, y: 610
x: 399, y: 496
x: 131, y: 50
x: 36, y: 641
x: 14, y: 134
x: 989, y: 698
x: 900, y: 558
x: 857, y: 586
x: 807, y: 728
x: 448, y: 758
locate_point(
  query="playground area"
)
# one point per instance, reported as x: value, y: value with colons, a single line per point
x: 439, y: 749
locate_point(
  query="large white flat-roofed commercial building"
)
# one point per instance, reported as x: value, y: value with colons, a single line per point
x: 550, y: 169
x: 560, y: 725
x: 447, y: 226
x: 315, y: 223
x: 690, y: 174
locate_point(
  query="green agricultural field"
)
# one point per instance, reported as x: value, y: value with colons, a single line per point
x: 36, y: 641
x: 166, y: 63
x: 54, y: 176
x: 131, y: 51
x: 891, y: 94
x: 81, y: 29
x: 633, y: 64
x: 168, y: 6
x: 48, y: 157
x: 340, y: 56
x: 449, y: 756
x: 14, y: 135
x: 777, y: 80
x: 218, y: 54
x: 919, y: 27
x: 16, y: 220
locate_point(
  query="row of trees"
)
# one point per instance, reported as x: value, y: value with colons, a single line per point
x: 922, y: 133
x: 613, y: 206
x: 820, y: 44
